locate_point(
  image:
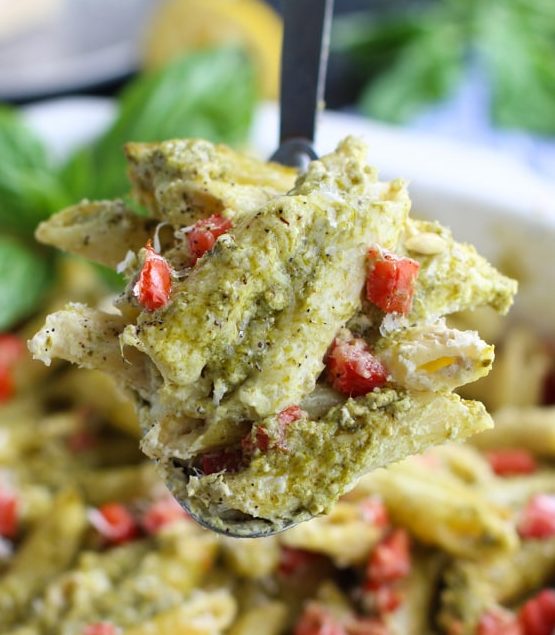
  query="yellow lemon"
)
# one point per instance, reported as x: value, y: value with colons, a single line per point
x: 182, y: 25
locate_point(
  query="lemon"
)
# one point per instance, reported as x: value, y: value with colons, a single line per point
x: 182, y: 25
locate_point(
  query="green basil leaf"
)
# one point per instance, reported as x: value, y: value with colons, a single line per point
x: 523, y: 82
x: 30, y: 189
x: 371, y: 40
x: 209, y: 94
x: 426, y: 70
x: 24, y: 278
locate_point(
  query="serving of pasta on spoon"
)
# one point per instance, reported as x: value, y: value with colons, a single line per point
x: 282, y: 332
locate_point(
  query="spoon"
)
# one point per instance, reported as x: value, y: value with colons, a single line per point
x: 304, y: 57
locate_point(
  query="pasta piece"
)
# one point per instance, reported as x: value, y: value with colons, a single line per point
x: 35, y: 502
x: 462, y: 461
x: 205, y: 613
x: 434, y: 357
x: 453, y: 276
x: 97, y: 390
x: 344, y: 535
x: 327, y: 456
x: 76, y: 595
x: 183, y: 180
x: 47, y: 551
x: 513, y: 492
x: 519, y: 373
x: 118, y: 484
x: 442, y: 511
x: 473, y: 588
x: 251, y: 557
x: 270, y: 619
x: 531, y: 428
x: 102, y: 231
x: 417, y: 590
x: 89, y: 338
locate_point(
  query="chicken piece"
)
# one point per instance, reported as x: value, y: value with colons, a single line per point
x: 183, y: 180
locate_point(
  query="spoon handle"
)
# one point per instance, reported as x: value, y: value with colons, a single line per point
x: 304, y: 59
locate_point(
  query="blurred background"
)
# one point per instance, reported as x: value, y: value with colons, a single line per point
x: 477, y: 71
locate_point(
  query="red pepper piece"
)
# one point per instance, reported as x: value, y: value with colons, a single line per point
x: 316, y: 620
x: 390, y: 560
x: 511, y: 462
x: 352, y: 369
x: 390, y: 281
x: 537, y: 615
x: 538, y: 517
x: 101, y: 628
x: 115, y: 523
x: 294, y: 561
x: 153, y: 288
x: 226, y: 460
x: 162, y: 513
x: 375, y: 512
x: 204, y: 234
x: 498, y: 622
x: 8, y: 513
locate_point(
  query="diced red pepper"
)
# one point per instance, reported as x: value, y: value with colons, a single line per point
x: 7, y: 387
x: 8, y: 513
x: 537, y: 615
x: 290, y: 414
x: 390, y: 281
x: 115, y: 523
x: 12, y: 349
x: 259, y: 438
x: 498, y: 621
x: 153, y: 288
x: 538, y: 517
x: 511, y: 462
x: 226, y: 460
x: 205, y: 232
x: 101, y: 628
x: 162, y: 513
x: 295, y: 561
x: 390, y: 560
x: 374, y: 511
x: 316, y: 620
x: 352, y: 369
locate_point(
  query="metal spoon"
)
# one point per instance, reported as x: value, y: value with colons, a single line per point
x: 304, y: 56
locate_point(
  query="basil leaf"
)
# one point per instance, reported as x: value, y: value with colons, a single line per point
x: 24, y: 278
x: 29, y: 187
x: 426, y: 70
x: 523, y: 83
x: 210, y: 94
